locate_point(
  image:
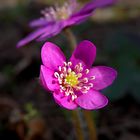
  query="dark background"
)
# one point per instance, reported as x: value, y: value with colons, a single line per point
x: 116, y: 33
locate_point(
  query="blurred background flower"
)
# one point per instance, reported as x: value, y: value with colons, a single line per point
x: 55, y: 19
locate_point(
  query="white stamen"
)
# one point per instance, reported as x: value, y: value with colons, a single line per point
x: 60, y: 81
x: 64, y: 69
x: 80, y: 64
x: 69, y: 63
x: 59, y: 68
x: 85, y: 80
x: 79, y: 75
x: 67, y: 93
x: 73, y: 97
x: 86, y: 71
x: 61, y: 75
x: 90, y: 85
x: 65, y: 64
x: 78, y: 88
x: 69, y: 70
x: 56, y: 74
x: 92, y: 78
x: 84, y: 91
x: 76, y: 80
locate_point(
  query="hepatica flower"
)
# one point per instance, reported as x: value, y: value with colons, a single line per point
x: 75, y: 83
x: 59, y: 17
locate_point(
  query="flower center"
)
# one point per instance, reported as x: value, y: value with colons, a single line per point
x: 58, y: 12
x: 72, y: 79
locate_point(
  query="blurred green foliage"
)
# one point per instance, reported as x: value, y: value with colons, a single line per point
x: 31, y: 112
x: 123, y: 50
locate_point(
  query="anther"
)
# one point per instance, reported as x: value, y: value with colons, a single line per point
x: 69, y: 63
x: 59, y: 68
x: 69, y: 70
x: 78, y: 88
x: 64, y: 69
x: 92, y: 77
x: 79, y: 75
x: 90, y: 85
x: 73, y: 97
x: 84, y: 90
x: 80, y: 64
x: 67, y: 93
x: 61, y: 75
x: 65, y: 64
x: 56, y: 74
x: 86, y: 71
x: 85, y: 80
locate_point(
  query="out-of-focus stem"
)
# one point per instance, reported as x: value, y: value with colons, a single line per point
x: 82, y: 119
x: 71, y: 39
x: 90, y: 124
x: 77, y: 125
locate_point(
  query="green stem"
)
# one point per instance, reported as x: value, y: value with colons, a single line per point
x: 77, y: 125
x: 90, y: 124
x: 71, y: 39
x: 82, y: 119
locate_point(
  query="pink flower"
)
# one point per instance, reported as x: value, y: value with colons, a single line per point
x: 55, y: 19
x: 75, y: 83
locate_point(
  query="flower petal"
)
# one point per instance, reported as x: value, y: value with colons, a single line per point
x: 52, y: 56
x: 76, y: 19
x: 104, y: 76
x: 86, y: 11
x: 42, y: 81
x: 57, y: 27
x: 37, y: 33
x: 91, y: 6
x: 31, y: 36
x: 47, y: 79
x: 86, y: 52
x: 64, y: 101
x: 38, y: 22
x: 92, y: 100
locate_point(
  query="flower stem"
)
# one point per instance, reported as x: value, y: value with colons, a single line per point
x: 90, y: 124
x: 83, y: 121
x: 71, y: 39
x: 77, y: 125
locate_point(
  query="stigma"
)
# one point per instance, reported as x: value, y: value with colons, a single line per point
x: 73, y: 78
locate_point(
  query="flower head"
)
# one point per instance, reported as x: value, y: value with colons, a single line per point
x: 59, y: 17
x: 75, y: 83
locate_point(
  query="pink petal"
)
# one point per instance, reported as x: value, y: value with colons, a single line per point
x: 86, y: 52
x: 92, y: 100
x: 47, y: 79
x: 94, y: 4
x: 76, y: 19
x: 31, y: 36
x: 64, y: 101
x: 42, y: 81
x: 38, y: 22
x: 57, y: 27
x: 104, y: 76
x: 52, y: 56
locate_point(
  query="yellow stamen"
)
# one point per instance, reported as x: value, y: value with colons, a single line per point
x: 72, y: 79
